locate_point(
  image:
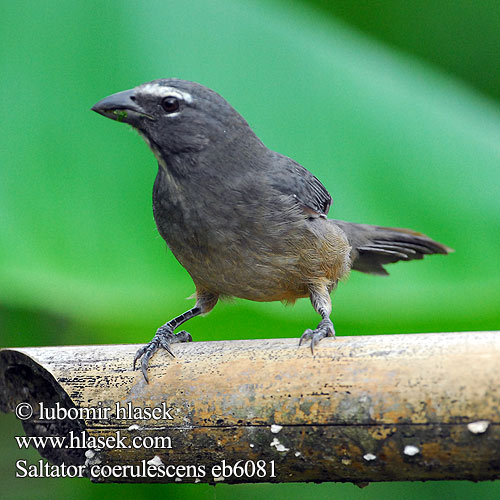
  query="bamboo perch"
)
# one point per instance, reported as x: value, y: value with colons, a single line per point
x: 373, y: 408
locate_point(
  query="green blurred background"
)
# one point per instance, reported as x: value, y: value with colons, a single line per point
x: 394, y: 105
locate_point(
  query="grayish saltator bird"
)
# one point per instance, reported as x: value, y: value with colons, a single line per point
x: 243, y: 220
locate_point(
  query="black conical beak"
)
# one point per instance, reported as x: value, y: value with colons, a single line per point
x: 121, y: 107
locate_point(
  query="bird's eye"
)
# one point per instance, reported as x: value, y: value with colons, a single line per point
x: 170, y: 104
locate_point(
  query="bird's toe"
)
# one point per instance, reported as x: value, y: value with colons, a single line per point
x: 307, y: 335
x: 182, y: 336
x: 324, y: 329
x: 164, y: 338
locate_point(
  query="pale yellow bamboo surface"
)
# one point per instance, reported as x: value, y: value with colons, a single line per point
x: 364, y: 408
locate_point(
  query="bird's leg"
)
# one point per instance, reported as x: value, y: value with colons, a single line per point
x: 165, y: 336
x: 320, y: 299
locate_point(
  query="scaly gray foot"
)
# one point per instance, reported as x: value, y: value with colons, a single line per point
x: 324, y: 329
x: 164, y: 338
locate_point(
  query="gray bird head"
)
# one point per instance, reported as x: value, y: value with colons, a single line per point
x: 176, y: 116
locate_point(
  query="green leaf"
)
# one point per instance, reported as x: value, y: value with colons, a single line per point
x: 395, y: 142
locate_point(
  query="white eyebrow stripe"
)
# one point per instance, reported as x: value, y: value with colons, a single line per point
x: 164, y: 91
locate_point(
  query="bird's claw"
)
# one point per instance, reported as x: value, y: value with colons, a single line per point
x: 324, y: 329
x: 182, y: 336
x: 164, y: 338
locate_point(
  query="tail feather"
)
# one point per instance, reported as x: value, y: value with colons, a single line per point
x: 375, y: 246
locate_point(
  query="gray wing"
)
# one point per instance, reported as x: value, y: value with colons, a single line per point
x: 289, y: 177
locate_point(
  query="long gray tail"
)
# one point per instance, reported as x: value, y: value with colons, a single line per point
x: 375, y: 246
